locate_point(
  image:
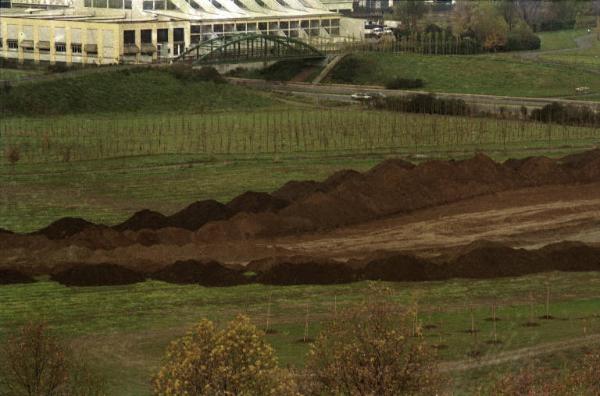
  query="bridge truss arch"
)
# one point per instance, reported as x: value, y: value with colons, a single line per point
x: 243, y: 48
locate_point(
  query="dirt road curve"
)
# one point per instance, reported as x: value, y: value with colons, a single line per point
x: 520, y: 354
x: 526, y: 218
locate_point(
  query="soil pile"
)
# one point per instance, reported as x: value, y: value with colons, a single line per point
x: 65, y: 227
x: 10, y: 277
x: 404, y: 268
x: 255, y: 202
x: 296, y: 190
x: 199, y: 213
x: 484, y: 260
x: 97, y: 275
x: 3, y: 231
x: 307, y: 273
x: 571, y: 256
x: 144, y: 219
x: 203, y: 273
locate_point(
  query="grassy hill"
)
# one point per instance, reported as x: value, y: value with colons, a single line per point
x: 481, y: 74
x: 144, y: 90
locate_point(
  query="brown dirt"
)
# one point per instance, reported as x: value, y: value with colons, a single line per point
x: 255, y: 202
x: 425, y: 210
x: 65, y: 227
x: 199, y: 213
x: 9, y: 277
x: 144, y: 219
x: 307, y: 273
x: 203, y: 273
x: 97, y: 275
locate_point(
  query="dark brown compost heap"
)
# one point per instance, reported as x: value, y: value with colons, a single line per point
x: 209, y: 273
x: 65, y: 227
x: 97, y: 275
x: 10, y: 276
x: 307, y: 273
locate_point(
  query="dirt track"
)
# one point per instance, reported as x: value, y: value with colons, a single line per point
x: 526, y: 218
x: 529, y: 218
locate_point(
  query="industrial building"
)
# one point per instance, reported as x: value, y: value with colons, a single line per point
x: 143, y: 31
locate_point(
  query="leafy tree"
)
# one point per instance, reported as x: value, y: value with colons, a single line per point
x: 489, y: 26
x: 33, y: 362
x: 373, y: 350
x: 232, y: 361
x: 410, y: 12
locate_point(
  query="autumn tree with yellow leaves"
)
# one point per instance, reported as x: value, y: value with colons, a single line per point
x: 375, y: 349
x: 235, y: 360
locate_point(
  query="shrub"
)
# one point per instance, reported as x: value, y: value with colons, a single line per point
x: 232, y: 361
x: 349, y: 69
x: 59, y: 68
x: 371, y: 351
x: 185, y: 72
x: 568, y: 115
x: 522, y: 38
x: 34, y: 362
x: 13, y: 154
x: 404, y: 83
x: 423, y: 103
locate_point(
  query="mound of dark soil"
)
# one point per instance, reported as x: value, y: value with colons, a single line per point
x: 295, y: 190
x: 254, y: 202
x: 199, y: 213
x: 196, y: 272
x: 484, y: 259
x: 65, y: 227
x: 3, y: 231
x: 580, y: 160
x: 144, y: 219
x: 403, y: 268
x: 307, y: 273
x: 10, y: 276
x: 571, y: 256
x: 541, y: 171
x: 97, y: 275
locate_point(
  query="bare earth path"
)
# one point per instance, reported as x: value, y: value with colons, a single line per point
x: 521, y: 354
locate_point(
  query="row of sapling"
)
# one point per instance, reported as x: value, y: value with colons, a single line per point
x: 287, y: 132
x: 376, y: 347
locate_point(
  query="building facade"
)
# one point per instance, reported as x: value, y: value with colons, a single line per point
x: 141, y: 31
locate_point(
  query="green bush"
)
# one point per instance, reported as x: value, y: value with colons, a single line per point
x: 350, y: 68
x: 186, y: 72
x: 404, y: 83
x: 424, y: 104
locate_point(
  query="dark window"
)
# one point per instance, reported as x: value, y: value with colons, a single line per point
x: 262, y: 26
x: 100, y: 3
x: 162, y: 35
x: 60, y: 47
x: 261, y: 3
x: 148, y: 5
x: 129, y: 37
x: 195, y: 29
x: 240, y: 4
x: 178, y: 35
x: 115, y: 3
x: 128, y: 4
x: 76, y: 48
x: 146, y: 36
x: 159, y: 5
x: 87, y: 3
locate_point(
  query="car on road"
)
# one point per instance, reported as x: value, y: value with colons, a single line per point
x: 364, y: 96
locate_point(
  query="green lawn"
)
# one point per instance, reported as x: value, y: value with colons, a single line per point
x: 141, y: 90
x: 562, y: 39
x: 16, y: 74
x: 481, y: 74
x: 138, y: 321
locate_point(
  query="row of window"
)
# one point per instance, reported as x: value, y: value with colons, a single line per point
x: 45, y: 46
x: 162, y: 36
x: 262, y: 26
x: 119, y: 4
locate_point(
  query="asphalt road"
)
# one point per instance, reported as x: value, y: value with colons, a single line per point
x: 339, y: 92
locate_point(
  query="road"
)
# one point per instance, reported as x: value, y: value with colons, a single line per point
x: 342, y: 92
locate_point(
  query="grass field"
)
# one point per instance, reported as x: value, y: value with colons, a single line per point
x: 17, y: 74
x: 562, y: 39
x: 125, y: 329
x: 105, y: 169
x: 481, y: 74
x: 585, y: 57
x: 141, y: 90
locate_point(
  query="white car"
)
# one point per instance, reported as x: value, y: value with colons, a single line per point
x: 363, y: 96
